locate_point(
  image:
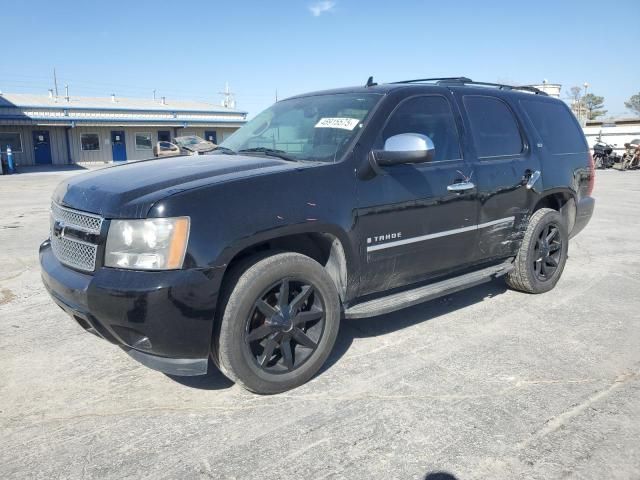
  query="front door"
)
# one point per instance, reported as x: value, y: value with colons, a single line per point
x: 42, y: 147
x: 210, y: 136
x: 118, y: 146
x: 411, y: 224
x: 164, y: 136
x: 504, y: 161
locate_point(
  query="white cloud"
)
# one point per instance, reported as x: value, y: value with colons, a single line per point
x: 319, y: 8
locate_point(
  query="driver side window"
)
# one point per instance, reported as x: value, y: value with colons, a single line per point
x: 430, y: 116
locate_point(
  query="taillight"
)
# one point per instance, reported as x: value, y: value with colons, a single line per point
x: 592, y: 175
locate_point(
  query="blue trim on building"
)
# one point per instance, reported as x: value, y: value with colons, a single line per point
x: 121, y: 109
x: 79, y: 121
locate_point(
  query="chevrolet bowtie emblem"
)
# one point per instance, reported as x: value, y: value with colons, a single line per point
x: 58, y: 228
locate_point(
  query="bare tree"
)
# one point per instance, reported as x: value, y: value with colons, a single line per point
x: 575, y: 96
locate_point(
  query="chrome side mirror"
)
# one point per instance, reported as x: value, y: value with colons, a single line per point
x: 404, y: 148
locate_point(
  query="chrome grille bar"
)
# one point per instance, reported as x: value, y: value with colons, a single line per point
x: 69, y: 250
x: 87, y: 222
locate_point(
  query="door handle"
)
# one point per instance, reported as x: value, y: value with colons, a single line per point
x: 461, y: 187
x: 533, y: 178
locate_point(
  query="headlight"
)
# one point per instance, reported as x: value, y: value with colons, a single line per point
x: 151, y: 244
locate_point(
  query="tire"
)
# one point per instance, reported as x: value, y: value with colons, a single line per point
x: 599, y: 162
x: 262, y: 348
x: 534, y: 271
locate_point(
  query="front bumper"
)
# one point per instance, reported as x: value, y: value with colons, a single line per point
x: 162, y: 319
x: 584, y: 212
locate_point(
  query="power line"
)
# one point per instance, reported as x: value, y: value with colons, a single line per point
x: 135, y: 90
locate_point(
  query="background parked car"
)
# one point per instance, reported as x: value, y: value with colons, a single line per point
x: 165, y: 149
x: 187, y: 145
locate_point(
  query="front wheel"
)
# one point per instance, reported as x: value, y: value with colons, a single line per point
x: 542, y: 254
x: 279, y: 325
x: 599, y: 162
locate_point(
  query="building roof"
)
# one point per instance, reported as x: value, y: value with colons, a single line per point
x: 29, y: 109
x: 28, y: 100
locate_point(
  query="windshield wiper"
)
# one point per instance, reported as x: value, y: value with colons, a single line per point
x: 225, y: 150
x: 272, y: 152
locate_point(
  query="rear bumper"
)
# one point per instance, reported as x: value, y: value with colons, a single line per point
x: 584, y: 212
x: 164, y: 320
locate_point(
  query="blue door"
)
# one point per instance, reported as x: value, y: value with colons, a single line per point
x: 118, y: 146
x: 42, y: 147
x: 210, y: 136
x: 164, y: 136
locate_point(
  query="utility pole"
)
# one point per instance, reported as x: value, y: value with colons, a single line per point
x: 55, y: 81
x: 229, y: 100
x: 584, y: 105
x: 276, y: 95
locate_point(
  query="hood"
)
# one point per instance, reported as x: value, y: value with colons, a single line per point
x: 129, y: 190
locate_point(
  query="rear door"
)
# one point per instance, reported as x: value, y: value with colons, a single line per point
x: 504, y: 162
x: 410, y: 225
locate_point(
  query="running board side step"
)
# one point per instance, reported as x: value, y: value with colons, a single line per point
x: 408, y: 298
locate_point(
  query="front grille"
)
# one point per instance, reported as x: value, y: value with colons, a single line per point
x: 80, y: 220
x: 72, y: 251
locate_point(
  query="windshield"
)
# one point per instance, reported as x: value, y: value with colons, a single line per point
x: 188, y: 140
x: 315, y: 128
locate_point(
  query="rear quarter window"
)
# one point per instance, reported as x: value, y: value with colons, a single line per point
x: 556, y: 126
x: 494, y: 128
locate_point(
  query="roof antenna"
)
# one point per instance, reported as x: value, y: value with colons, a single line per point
x: 370, y: 82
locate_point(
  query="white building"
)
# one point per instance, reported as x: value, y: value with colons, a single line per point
x: 43, y: 129
x: 551, y: 89
x: 616, y: 131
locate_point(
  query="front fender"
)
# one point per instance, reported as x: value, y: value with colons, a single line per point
x: 227, y: 218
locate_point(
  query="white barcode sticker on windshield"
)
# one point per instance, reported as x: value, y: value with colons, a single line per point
x: 338, y: 122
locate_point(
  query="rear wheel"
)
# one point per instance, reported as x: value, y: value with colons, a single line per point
x: 279, y: 325
x: 542, y: 255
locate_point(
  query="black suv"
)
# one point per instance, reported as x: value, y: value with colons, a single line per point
x: 343, y: 203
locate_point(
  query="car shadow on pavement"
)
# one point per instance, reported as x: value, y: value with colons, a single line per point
x: 370, y: 327
x: 58, y: 168
x: 383, y: 324
x: 439, y: 476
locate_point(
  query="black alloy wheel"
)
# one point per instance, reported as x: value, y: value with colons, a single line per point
x: 542, y: 254
x: 547, y: 252
x: 279, y: 321
x: 285, y: 326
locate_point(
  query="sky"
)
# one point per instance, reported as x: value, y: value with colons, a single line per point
x: 190, y: 49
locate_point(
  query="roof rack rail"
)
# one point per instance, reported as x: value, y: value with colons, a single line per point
x: 438, y: 79
x: 468, y: 81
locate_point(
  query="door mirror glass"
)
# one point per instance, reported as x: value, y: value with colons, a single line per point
x: 405, y: 148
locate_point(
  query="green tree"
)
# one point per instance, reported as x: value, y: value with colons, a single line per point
x: 633, y: 103
x: 593, y: 104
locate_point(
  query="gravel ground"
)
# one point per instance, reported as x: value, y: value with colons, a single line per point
x: 486, y: 383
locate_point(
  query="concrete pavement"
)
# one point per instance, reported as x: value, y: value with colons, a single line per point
x: 486, y: 383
